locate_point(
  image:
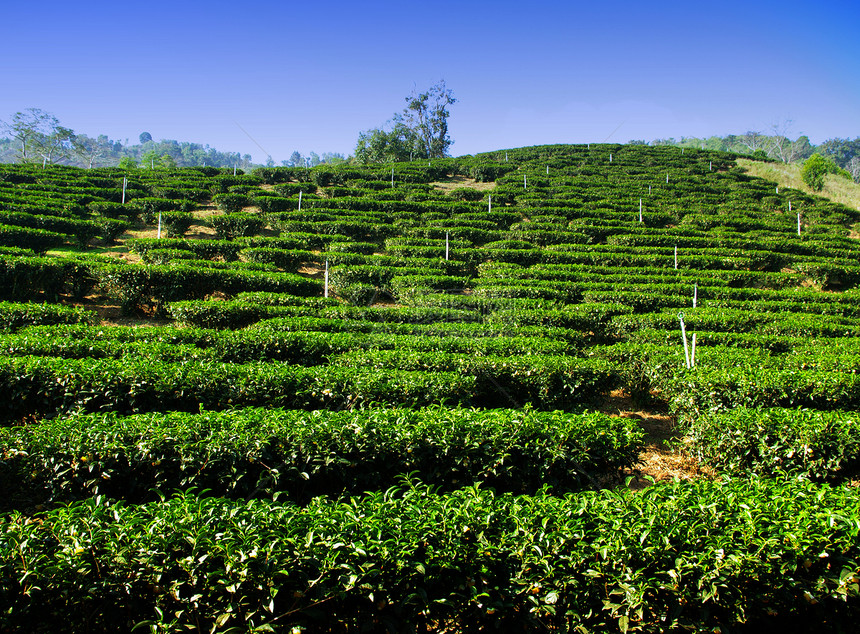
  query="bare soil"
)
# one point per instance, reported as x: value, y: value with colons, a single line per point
x: 664, y: 456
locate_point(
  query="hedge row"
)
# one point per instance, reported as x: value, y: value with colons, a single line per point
x: 45, y: 386
x: 814, y: 444
x: 253, y: 453
x: 683, y: 556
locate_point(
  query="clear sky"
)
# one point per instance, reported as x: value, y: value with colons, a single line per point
x: 309, y: 76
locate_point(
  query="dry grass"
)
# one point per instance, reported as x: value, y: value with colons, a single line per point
x: 836, y: 188
x: 456, y: 182
x: 664, y: 456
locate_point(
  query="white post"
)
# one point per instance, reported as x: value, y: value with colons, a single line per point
x: 789, y: 206
x: 525, y: 186
x: 392, y: 177
x: 695, y: 294
x: 684, y: 335
x: 649, y: 190
x: 152, y: 163
x: 490, y: 204
x: 693, y: 353
x: 610, y: 158
x: 300, y: 200
x: 506, y: 157
x: 158, y: 235
x: 710, y: 166
x: 234, y: 170
x: 446, y: 245
x: 676, y: 257
x: 667, y: 178
x: 325, y: 286
x: 547, y: 170
x: 798, y: 223
x: 640, y: 210
x: 777, y: 189
x: 124, y: 184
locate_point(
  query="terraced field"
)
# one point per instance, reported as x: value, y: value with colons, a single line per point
x: 385, y: 398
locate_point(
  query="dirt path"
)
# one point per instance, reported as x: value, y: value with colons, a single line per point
x: 665, y: 456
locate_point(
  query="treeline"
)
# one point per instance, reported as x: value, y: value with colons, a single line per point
x: 845, y: 153
x: 36, y: 136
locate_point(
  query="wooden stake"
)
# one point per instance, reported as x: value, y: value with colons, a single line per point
x: 392, y: 178
x: 490, y: 204
x: 649, y: 190
x: 695, y: 294
x: 640, y: 210
x: 798, y: 223
x: 789, y: 206
x: 676, y: 257
x: 325, y: 286
x: 300, y: 200
x: 446, y: 245
x: 158, y: 235
x: 124, y: 184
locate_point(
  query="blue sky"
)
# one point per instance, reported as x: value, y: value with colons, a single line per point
x: 311, y: 75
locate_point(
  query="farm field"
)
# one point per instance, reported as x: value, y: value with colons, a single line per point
x: 415, y: 397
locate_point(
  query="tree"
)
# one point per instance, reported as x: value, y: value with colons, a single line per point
x: 419, y: 131
x: 752, y: 140
x: 149, y: 159
x: 814, y: 169
x: 784, y: 148
x: 426, y: 114
x: 144, y: 137
x: 853, y: 168
x: 55, y: 146
x: 396, y: 145
x: 89, y: 150
x: 29, y: 128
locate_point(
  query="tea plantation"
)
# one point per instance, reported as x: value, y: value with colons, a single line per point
x: 374, y: 399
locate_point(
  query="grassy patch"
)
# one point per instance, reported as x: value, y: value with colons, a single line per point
x: 836, y: 188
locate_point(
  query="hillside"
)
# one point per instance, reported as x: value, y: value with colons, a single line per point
x: 839, y: 190
x: 429, y: 396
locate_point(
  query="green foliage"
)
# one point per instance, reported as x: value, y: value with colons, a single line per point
x: 14, y: 316
x: 234, y: 225
x: 317, y: 453
x: 683, y: 555
x: 814, y: 169
x: 814, y: 444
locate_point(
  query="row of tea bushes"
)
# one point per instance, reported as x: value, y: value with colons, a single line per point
x: 823, y: 445
x: 299, y: 455
x: 700, y: 556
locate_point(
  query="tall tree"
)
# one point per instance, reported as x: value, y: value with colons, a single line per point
x: 426, y: 114
x: 419, y: 131
x: 752, y: 140
x: 54, y: 146
x: 30, y: 127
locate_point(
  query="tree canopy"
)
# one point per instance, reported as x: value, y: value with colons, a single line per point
x: 419, y: 131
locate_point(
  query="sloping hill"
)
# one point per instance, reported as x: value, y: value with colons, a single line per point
x: 378, y: 398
